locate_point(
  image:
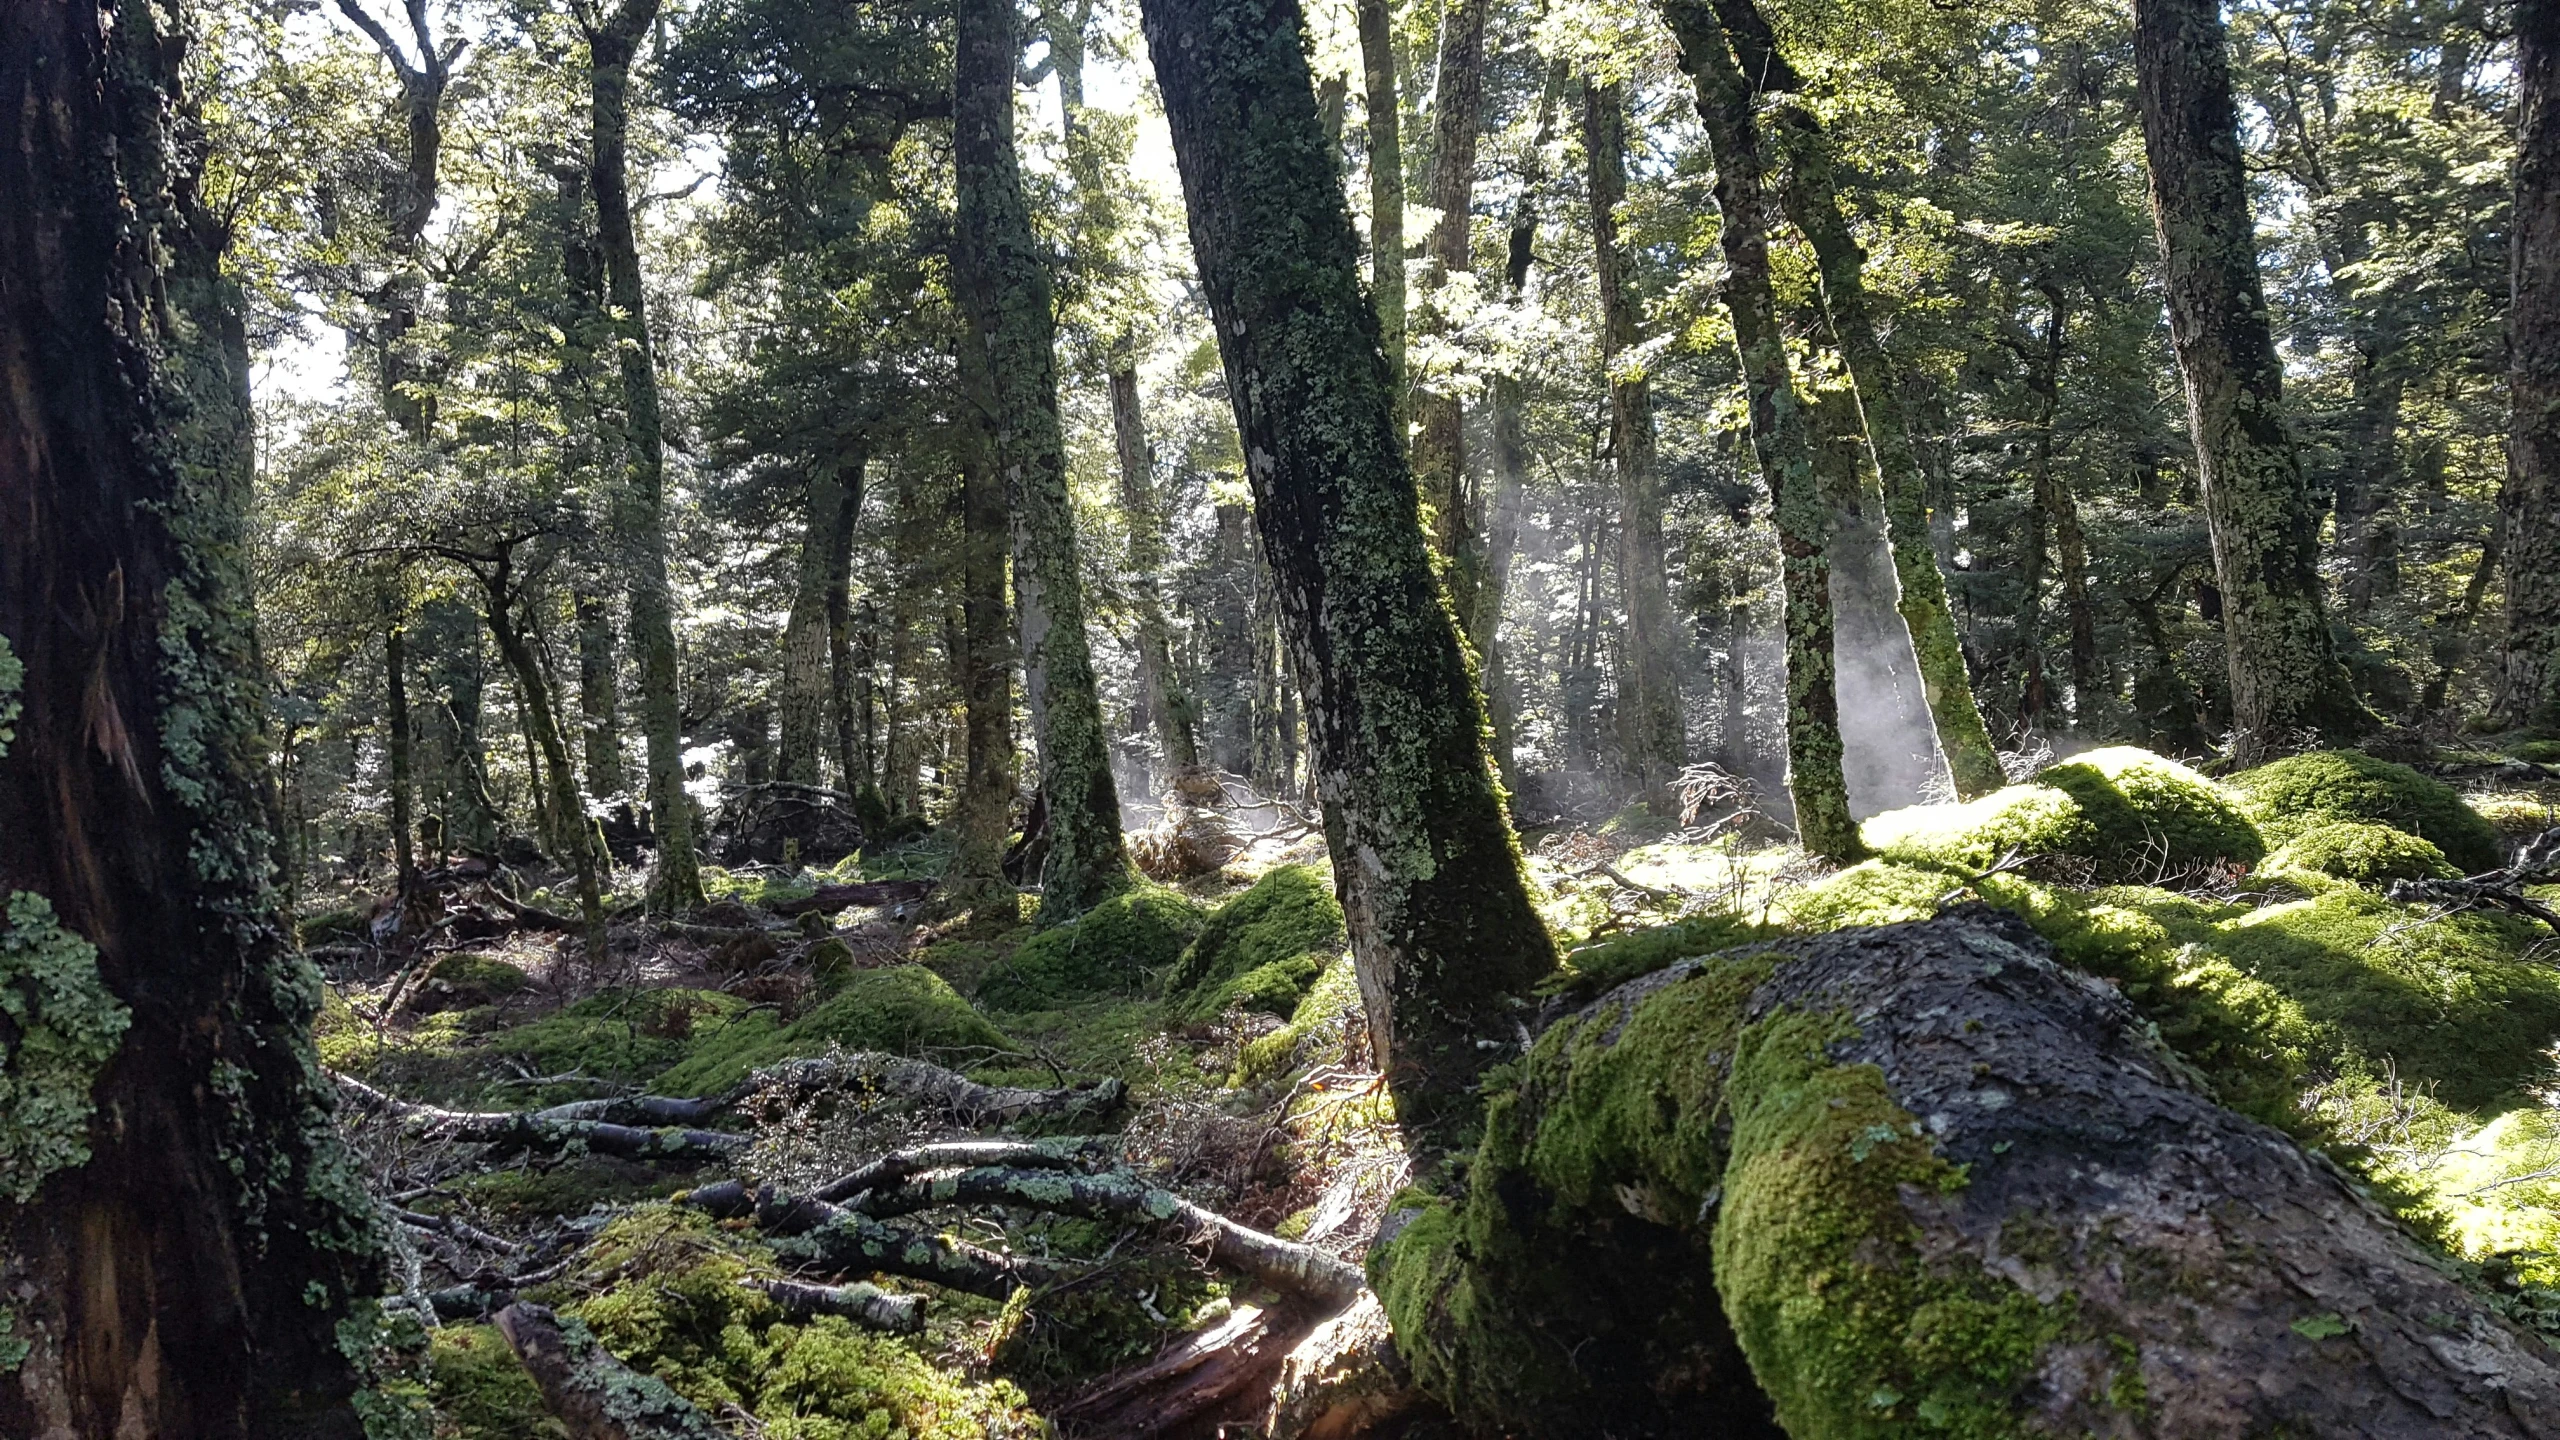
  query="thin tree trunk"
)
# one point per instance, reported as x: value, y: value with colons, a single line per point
x: 1386, y: 186
x: 2286, y: 677
x: 1889, y: 747
x: 1439, y: 438
x: 599, y: 694
x: 184, y: 1236
x: 2044, y: 382
x: 1168, y: 706
x: 1780, y: 436
x: 574, y: 837
x: 1444, y: 938
x: 851, y: 710
x: 2532, y: 497
x: 612, y: 40
x: 397, y: 740
x: 807, y: 640
x: 1652, y: 724
x: 1003, y: 284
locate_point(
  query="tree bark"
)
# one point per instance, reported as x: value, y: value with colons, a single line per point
x: 613, y: 38
x: 1443, y: 935
x: 848, y: 682
x: 807, y: 674
x: 1653, y: 725
x: 576, y: 834
x: 1386, y: 186
x: 1439, y: 438
x: 2286, y: 678
x: 396, y: 736
x: 1003, y: 283
x: 1780, y: 435
x: 599, y: 694
x: 975, y: 880
x: 2532, y: 497
x: 181, y: 1234
x: 1168, y: 704
x: 596, y: 1396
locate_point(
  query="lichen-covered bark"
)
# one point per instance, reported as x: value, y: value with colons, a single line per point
x: 1653, y: 726
x: 2286, y: 677
x: 1440, y: 433
x: 575, y: 835
x: 2532, y: 496
x: 1386, y: 184
x: 398, y: 735
x: 1445, y: 939
x: 974, y: 880
x: 1002, y: 277
x: 1780, y: 435
x: 1170, y: 711
x: 1927, y: 1181
x: 195, y: 1272
x: 596, y: 1396
x: 807, y: 682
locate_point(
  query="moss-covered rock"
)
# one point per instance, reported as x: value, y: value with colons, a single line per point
x: 464, y: 981
x: 2516, y: 817
x: 1116, y: 947
x: 902, y: 1009
x: 2365, y: 853
x: 2301, y: 792
x: 1322, y: 1024
x: 2127, y: 812
x: 1262, y: 950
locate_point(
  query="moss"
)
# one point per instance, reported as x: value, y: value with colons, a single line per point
x: 1603, y: 965
x: 757, y: 888
x: 2130, y: 813
x: 339, y: 924
x: 1049, y: 1338
x: 1261, y: 950
x: 1325, y: 1017
x: 2516, y: 818
x: 463, y: 980
x: 2365, y: 853
x: 573, y: 1186
x: 480, y: 1392
x: 2300, y: 792
x: 1115, y: 947
x: 2496, y: 1192
x: 59, y: 1024
x: 903, y: 1009
x: 623, y: 1035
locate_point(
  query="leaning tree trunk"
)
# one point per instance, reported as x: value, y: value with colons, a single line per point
x: 1168, y: 705
x: 576, y: 834
x: 1653, y: 725
x: 1780, y: 435
x: 1920, y: 1179
x: 2532, y: 497
x: 1002, y: 276
x: 807, y: 676
x: 1444, y: 938
x: 2286, y: 677
x: 1386, y: 184
x: 612, y: 40
x: 1439, y: 436
x: 184, y: 1246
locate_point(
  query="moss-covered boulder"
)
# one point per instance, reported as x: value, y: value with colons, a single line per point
x: 2365, y: 853
x: 1262, y: 950
x: 1116, y: 947
x: 480, y: 1392
x: 2301, y: 792
x: 2128, y: 813
x: 1326, y: 1023
x: 903, y: 1010
x: 2517, y: 817
x: 463, y: 981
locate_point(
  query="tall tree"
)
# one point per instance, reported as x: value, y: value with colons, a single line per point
x: 2287, y: 681
x: 1444, y: 938
x: 807, y: 636
x: 613, y: 41
x: 974, y: 881
x: 184, y: 1244
x: 1781, y: 437
x: 2532, y: 495
x: 1376, y: 20
x: 1440, y: 432
x: 1003, y: 281
x: 1168, y: 706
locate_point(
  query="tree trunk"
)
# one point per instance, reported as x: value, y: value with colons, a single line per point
x: 975, y: 879
x: 1168, y: 705
x: 1888, y: 745
x: 2286, y: 677
x: 1652, y: 724
x: 2532, y: 497
x: 397, y: 740
x: 848, y: 683
x: 1780, y: 436
x: 183, y: 1241
x: 577, y: 839
x: 1443, y: 935
x: 807, y: 648
x: 1003, y: 284
x: 1386, y: 186
x: 599, y: 695
x: 1868, y: 1164
x: 612, y: 40
x: 2044, y: 382
x: 1439, y: 438
x: 454, y: 630
x: 596, y: 1396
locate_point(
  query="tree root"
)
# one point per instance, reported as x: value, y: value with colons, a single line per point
x: 863, y: 1304
x: 595, y: 1395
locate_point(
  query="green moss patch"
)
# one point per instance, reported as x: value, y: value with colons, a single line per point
x: 480, y: 1392
x: 902, y: 1009
x: 1116, y: 947
x: 2365, y: 853
x: 622, y: 1035
x: 2129, y: 813
x: 1262, y: 950
x: 1321, y: 1025
x: 2290, y: 796
x: 465, y: 981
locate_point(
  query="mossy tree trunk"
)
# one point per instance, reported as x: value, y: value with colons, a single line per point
x: 613, y: 39
x: 1653, y: 725
x: 599, y: 691
x: 1168, y: 706
x: 975, y: 880
x: 398, y: 738
x: 181, y: 1235
x: 1440, y: 432
x: 849, y: 678
x: 2532, y: 497
x: 1780, y: 435
x: 1444, y: 937
x: 2287, y: 682
x: 808, y: 684
x: 1376, y: 22
x: 1002, y: 276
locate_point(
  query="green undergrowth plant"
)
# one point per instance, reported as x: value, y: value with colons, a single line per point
x: 2127, y: 813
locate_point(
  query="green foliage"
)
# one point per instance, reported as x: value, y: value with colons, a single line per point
x: 1262, y: 950
x: 1118, y: 946
x: 756, y: 888
x: 624, y: 1035
x: 2130, y: 813
x: 2516, y: 818
x: 2365, y: 853
x: 480, y: 1392
x: 59, y: 1024
x: 903, y: 1009
x: 2299, y: 792
x: 13, y: 676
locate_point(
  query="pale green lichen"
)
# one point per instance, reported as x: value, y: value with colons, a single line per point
x: 64, y: 1025
x: 14, y: 1348
x: 13, y: 677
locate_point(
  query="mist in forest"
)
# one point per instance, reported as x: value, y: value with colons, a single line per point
x: 1889, y: 743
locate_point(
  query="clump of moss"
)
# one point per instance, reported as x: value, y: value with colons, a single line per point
x: 572, y: 1186
x: 2364, y: 853
x: 1324, y: 1019
x: 2516, y: 818
x: 756, y: 887
x: 1591, y: 970
x: 902, y: 1009
x: 1262, y: 950
x: 2300, y: 792
x: 464, y: 980
x: 1114, y: 948
x: 2129, y: 813
x: 480, y: 1392
x: 2495, y: 1192
x: 621, y: 1034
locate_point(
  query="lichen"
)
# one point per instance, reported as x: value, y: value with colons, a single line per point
x: 13, y: 678
x: 63, y: 1025
x: 2295, y: 794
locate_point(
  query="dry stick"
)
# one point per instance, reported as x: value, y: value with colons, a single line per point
x: 595, y: 1395
x: 2538, y: 863
x: 832, y: 898
x: 861, y: 1303
x: 946, y: 1090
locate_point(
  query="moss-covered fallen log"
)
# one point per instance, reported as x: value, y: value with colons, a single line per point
x: 922, y: 1083
x: 563, y: 1127
x: 596, y: 1396
x: 849, y: 1243
x: 1910, y: 1179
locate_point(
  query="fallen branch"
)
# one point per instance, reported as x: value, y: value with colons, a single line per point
x: 455, y: 1229
x: 2538, y: 863
x: 595, y: 1395
x: 534, y: 916
x: 861, y: 1303
x: 891, y: 1169
x: 945, y: 1090
x: 510, y: 1132
x: 847, y: 1243
x: 831, y: 898
x: 1619, y: 878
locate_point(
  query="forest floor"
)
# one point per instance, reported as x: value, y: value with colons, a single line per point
x: 1208, y: 1031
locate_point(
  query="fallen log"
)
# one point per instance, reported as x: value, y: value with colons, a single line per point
x: 1343, y: 1381
x: 831, y: 898
x: 863, y: 1304
x: 593, y: 1394
x: 847, y: 1243
x: 1934, y: 1180
x: 780, y: 1214
x: 1212, y: 1376
x: 562, y: 1127
x: 952, y: 1093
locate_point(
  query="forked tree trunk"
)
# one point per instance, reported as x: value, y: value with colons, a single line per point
x: 1386, y: 185
x: 1440, y: 433
x: 1002, y: 278
x: 181, y: 1235
x: 1445, y: 941
x: 2532, y: 496
x: 2287, y: 682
